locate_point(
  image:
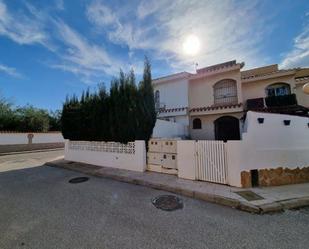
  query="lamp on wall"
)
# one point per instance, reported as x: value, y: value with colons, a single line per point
x: 286, y: 122
x: 306, y: 88
x: 260, y: 120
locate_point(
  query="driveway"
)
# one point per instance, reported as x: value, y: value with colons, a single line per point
x: 40, y: 209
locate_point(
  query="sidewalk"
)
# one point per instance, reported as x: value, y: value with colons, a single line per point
x: 270, y: 199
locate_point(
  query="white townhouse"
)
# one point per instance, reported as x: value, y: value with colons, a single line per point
x: 212, y: 102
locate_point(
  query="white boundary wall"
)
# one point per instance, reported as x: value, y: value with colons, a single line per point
x: 167, y: 129
x: 22, y: 138
x: 269, y: 145
x: 131, y: 156
x: 185, y: 159
x: 264, y: 146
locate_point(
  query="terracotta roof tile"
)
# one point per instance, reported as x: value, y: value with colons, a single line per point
x: 246, y: 77
x: 212, y: 108
x: 218, y: 67
x: 180, y: 109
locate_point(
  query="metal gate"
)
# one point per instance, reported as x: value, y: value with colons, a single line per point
x: 210, y: 161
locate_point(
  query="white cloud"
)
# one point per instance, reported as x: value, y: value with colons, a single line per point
x: 75, y: 53
x: 119, y: 28
x: 299, y: 55
x: 146, y: 8
x: 10, y: 71
x: 101, y: 14
x: 224, y: 29
x: 21, y: 28
x: 80, y: 57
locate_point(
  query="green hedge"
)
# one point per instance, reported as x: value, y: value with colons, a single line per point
x: 125, y: 113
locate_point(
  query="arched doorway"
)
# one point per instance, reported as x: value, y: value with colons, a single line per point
x: 227, y: 128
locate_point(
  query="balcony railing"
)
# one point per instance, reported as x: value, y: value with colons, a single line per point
x: 284, y: 100
x: 272, y: 101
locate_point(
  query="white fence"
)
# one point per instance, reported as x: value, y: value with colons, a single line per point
x: 167, y: 129
x: 210, y: 161
x: 35, y: 138
x: 131, y: 156
x: 265, y: 145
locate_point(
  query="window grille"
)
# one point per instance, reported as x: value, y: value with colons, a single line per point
x: 225, y: 92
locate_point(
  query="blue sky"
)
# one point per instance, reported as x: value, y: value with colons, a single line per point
x: 52, y: 48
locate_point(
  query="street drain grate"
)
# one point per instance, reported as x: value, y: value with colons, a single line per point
x: 249, y: 195
x: 167, y: 202
x: 79, y: 179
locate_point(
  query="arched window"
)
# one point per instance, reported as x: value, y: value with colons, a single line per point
x: 225, y: 92
x: 278, y: 89
x: 197, y: 123
x: 157, y: 99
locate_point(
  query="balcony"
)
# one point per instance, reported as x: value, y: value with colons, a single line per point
x: 285, y: 104
x: 284, y: 100
x: 272, y: 101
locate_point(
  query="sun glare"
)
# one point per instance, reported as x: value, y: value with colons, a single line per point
x: 191, y: 45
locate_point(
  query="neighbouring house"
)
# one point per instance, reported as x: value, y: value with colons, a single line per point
x: 212, y: 102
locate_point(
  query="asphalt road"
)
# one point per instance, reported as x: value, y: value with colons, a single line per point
x: 40, y: 209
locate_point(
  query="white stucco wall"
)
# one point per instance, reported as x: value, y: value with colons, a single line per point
x: 184, y: 120
x: 269, y: 145
x: 185, y: 159
x: 167, y: 129
x: 208, y: 127
x: 257, y: 89
x: 273, y: 133
x: 135, y: 161
x: 201, y: 90
x: 22, y: 138
x: 174, y: 93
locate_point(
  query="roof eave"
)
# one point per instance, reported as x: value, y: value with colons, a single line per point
x: 223, y: 70
x: 182, y: 75
x: 268, y: 76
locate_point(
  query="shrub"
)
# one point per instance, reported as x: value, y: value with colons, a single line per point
x: 27, y: 118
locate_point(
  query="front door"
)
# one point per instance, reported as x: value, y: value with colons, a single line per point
x: 227, y: 128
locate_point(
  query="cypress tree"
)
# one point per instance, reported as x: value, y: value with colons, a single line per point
x: 147, y: 119
x: 125, y: 114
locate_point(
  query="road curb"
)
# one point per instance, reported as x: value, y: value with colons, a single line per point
x: 29, y: 151
x: 274, y: 207
x: 222, y: 200
x: 295, y: 203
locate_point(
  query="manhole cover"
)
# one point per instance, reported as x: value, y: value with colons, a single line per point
x: 249, y: 195
x: 79, y: 179
x: 167, y: 202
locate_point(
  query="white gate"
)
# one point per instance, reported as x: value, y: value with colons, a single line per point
x: 210, y: 161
